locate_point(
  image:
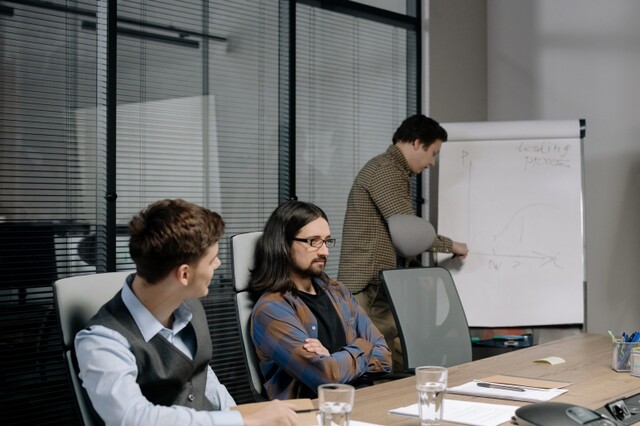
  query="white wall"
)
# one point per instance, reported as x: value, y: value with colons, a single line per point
x: 456, y: 58
x: 454, y: 71
x: 550, y: 59
x: 558, y: 59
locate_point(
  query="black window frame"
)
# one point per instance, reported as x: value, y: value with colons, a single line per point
x: 107, y: 232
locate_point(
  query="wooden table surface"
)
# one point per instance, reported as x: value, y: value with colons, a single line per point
x: 587, y: 366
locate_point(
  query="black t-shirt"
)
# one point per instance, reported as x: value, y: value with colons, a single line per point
x: 330, y: 328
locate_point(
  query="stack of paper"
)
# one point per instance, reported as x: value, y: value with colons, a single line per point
x: 512, y: 387
x: 467, y: 413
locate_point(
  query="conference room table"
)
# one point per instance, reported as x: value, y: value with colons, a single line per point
x: 587, y: 366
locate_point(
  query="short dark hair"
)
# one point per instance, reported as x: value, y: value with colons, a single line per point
x: 169, y: 233
x: 421, y: 127
x: 272, y: 258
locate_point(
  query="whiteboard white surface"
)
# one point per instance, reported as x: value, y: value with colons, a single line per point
x: 513, y: 193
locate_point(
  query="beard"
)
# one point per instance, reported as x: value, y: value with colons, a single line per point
x: 315, y: 270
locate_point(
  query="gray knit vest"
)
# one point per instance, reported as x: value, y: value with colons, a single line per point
x: 166, y: 375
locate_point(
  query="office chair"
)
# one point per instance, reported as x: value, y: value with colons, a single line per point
x: 431, y: 322
x: 432, y: 326
x: 410, y: 235
x: 242, y: 249
x: 77, y: 299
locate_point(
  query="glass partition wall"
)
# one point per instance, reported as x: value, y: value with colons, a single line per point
x: 353, y: 89
x: 234, y: 105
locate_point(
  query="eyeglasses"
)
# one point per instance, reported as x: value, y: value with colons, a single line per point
x: 317, y: 242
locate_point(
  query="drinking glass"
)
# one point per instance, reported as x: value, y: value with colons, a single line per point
x: 335, y: 403
x: 431, y: 382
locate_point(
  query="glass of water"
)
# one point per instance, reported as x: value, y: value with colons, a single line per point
x: 431, y: 383
x: 335, y: 402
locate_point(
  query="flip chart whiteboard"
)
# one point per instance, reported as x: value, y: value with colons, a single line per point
x: 513, y: 192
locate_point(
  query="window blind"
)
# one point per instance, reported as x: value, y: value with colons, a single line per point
x: 198, y: 119
x: 48, y: 195
x: 202, y: 113
x: 352, y: 85
x: 407, y: 7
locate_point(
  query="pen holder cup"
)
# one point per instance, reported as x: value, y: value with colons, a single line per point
x: 621, y: 360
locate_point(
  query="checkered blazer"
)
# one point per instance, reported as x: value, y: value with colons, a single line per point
x: 381, y: 189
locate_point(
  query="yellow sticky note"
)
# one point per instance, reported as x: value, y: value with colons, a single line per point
x: 553, y: 360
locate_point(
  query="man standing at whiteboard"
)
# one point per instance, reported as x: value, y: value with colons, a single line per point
x: 382, y: 189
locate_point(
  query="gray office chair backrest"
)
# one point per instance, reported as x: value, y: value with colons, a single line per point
x: 77, y: 299
x: 431, y: 322
x: 242, y: 248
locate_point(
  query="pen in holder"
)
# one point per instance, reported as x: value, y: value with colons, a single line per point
x: 622, y: 355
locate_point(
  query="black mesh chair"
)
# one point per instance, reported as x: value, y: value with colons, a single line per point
x: 431, y: 322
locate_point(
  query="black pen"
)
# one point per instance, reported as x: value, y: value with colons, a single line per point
x: 503, y: 387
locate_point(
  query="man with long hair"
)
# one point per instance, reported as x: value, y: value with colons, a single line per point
x: 144, y: 357
x: 307, y: 329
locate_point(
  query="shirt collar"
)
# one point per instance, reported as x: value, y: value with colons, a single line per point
x: 398, y: 158
x: 319, y: 282
x: 148, y: 324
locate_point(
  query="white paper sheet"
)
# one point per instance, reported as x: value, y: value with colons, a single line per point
x: 351, y: 422
x: 467, y: 413
x: 529, y: 394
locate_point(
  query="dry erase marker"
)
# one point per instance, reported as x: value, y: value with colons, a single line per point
x: 503, y: 387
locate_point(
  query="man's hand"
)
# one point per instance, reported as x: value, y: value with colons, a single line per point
x: 274, y: 413
x: 460, y: 250
x: 314, y: 345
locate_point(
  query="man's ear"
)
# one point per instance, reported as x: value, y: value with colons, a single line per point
x: 417, y: 144
x: 182, y: 274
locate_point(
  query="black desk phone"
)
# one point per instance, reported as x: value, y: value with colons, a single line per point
x: 560, y: 414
